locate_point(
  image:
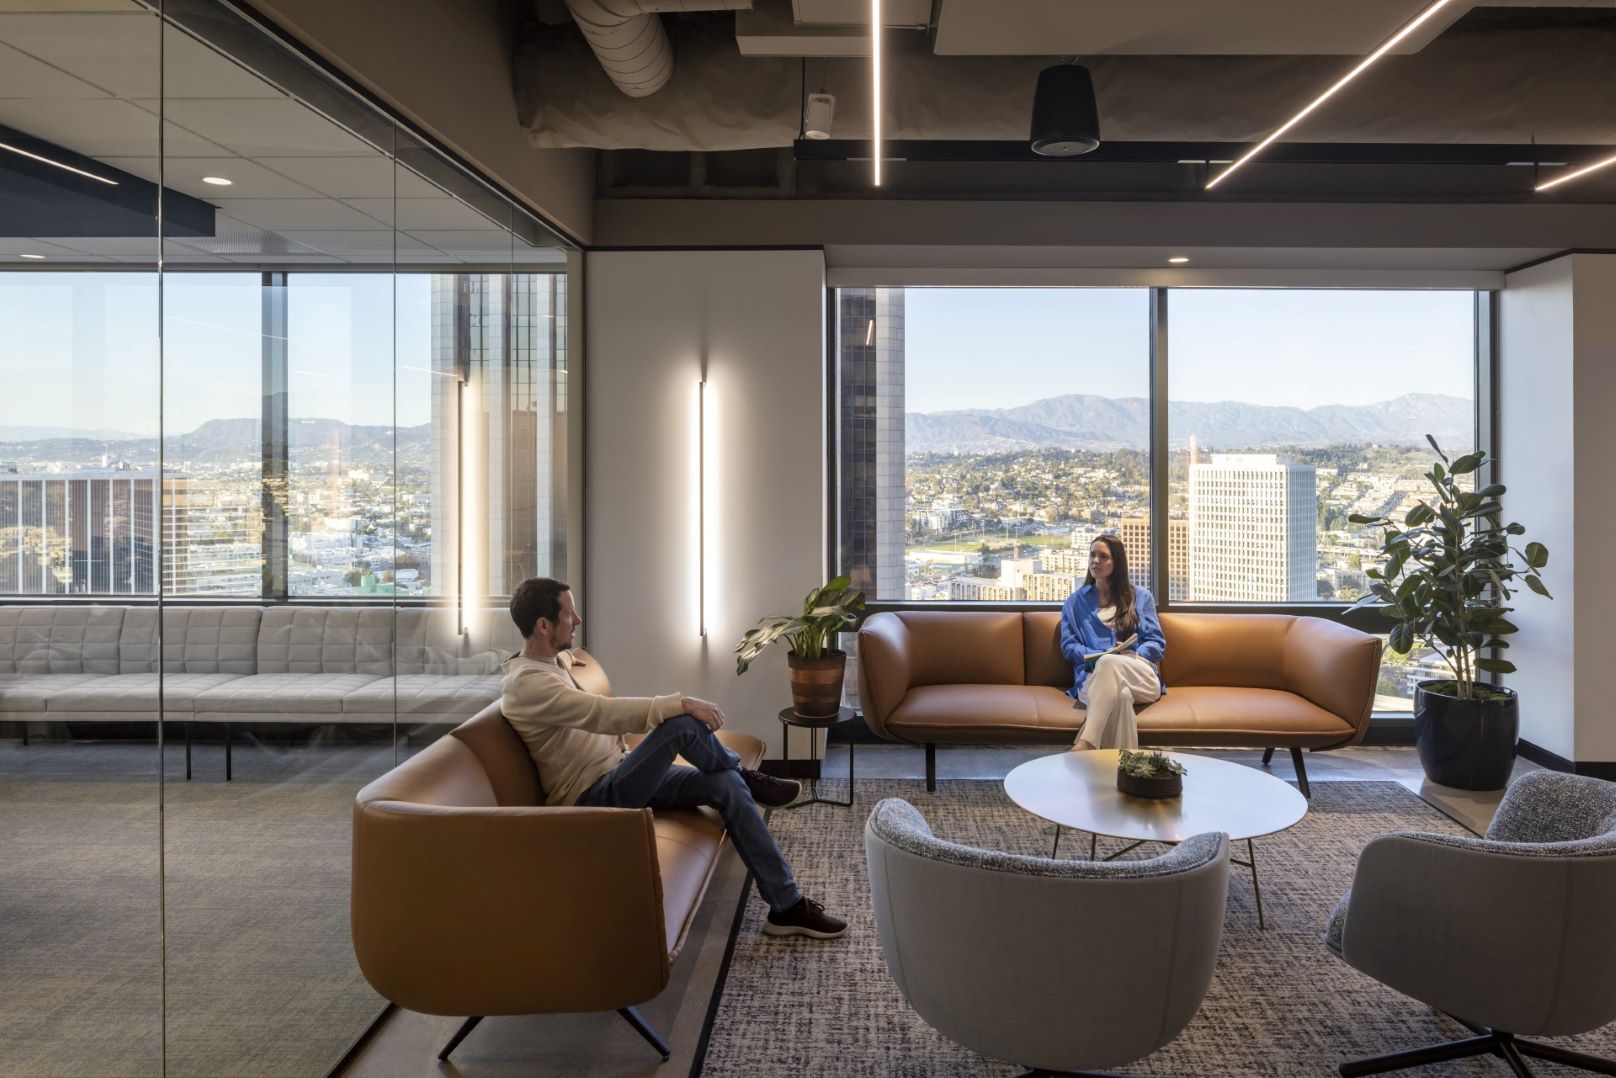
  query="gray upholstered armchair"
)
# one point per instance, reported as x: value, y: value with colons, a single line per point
x: 1054, y: 965
x: 1511, y: 934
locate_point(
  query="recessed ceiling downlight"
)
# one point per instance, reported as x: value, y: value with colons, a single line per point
x: 32, y: 256
x: 1178, y: 259
x: 217, y: 181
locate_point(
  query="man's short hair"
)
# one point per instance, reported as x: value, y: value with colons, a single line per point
x: 534, y: 598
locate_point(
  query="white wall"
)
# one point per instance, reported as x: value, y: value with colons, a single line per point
x: 755, y: 320
x: 1536, y: 358
x: 1557, y: 385
x: 1594, y: 299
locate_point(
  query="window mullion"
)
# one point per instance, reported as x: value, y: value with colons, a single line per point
x: 274, y: 436
x: 1160, y: 529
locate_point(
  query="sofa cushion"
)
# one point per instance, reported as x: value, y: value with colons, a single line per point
x: 429, y: 641
x: 1040, y: 631
x: 976, y: 647
x: 33, y: 692
x: 282, y: 694
x: 195, y: 640
x: 423, y: 694
x: 1241, y: 650
x: 985, y: 713
x: 323, y: 640
x: 1238, y: 717
x: 59, y: 639
x: 137, y: 693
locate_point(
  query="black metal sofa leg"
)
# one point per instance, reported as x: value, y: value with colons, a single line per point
x: 1301, y: 772
x: 643, y: 1028
x: 931, y: 768
x: 460, y: 1035
x: 1268, y: 755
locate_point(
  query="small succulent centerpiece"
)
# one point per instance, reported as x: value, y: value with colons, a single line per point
x: 1149, y: 774
x: 1448, y: 573
x: 816, y: 667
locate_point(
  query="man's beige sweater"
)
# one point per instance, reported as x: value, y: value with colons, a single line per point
x: 574, y: 736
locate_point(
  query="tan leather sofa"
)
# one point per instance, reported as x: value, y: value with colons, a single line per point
x: 1233, y: 681
x: 472, y: 898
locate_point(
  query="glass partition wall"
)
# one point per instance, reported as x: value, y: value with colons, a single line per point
x: 285, y: 419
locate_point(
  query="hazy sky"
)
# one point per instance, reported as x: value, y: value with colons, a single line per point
x: 999, y: 347
x: 81, y: 350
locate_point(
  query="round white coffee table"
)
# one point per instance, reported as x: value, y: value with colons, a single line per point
x: 1079, y: 790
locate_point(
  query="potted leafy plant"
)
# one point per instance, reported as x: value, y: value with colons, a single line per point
x: 1448, y: 573
x: 816, y: 666
x: 1149, y: 774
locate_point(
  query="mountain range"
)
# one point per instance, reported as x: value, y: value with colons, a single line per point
x: 222, y: 442
x: 1082, y: 421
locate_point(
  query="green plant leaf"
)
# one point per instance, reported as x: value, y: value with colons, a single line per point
x: 1537, y: 555
x: 1436, y: 447
x: 1534, y: 582
x: 1468, y: 463
x: 1495, y: 666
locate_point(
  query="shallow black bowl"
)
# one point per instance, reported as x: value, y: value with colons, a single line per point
x: 1162, y: 786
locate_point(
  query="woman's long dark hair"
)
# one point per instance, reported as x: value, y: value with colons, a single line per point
x: 1126, y: 623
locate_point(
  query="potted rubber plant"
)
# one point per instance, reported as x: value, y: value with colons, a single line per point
x: 1447, y: 576
x: 816, y: 665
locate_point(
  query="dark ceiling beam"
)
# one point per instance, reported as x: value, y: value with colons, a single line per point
x: 1200, y: 153
x: 39, y: 199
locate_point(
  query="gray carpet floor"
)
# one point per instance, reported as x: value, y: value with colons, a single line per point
x: 260, y: 973
x: 1280, y: 1003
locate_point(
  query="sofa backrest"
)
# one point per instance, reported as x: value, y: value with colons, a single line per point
x: 1040, y: 631
x: 960, y: 647
x: 429, y: 642
x: 195, y: 640
x: 1237, y: 650
x: 59, y: 639
x: 361, y: 640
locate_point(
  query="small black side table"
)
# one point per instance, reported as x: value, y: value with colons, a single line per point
x: 790, y: 718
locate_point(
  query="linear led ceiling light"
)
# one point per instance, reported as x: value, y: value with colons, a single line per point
x: 1568, y: 177
x: 875, y: 89
x: 57, y: 164
x: 1385, y: 47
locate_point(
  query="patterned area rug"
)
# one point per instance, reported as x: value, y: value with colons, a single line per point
x: 1280, y: 1004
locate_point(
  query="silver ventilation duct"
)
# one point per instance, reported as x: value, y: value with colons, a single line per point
x: 628, y: 38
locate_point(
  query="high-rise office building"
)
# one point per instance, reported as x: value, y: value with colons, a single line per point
x: 84, y: 532
x: 1135, y: 535
x: 1252, y: 530
x: 870, y: 350
x: 212, y: 537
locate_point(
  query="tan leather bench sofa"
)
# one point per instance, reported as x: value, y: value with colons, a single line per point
x: 934, y: 677
x: 470, y: 897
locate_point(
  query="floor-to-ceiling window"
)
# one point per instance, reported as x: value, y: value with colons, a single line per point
x: 285, y: 420
x: 985, y: 436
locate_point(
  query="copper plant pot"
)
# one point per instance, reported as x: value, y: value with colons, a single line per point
x: 816, y: 684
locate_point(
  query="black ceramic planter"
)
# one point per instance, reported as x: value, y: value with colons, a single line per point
x: 1162, y: 786
x: 1469, y: 744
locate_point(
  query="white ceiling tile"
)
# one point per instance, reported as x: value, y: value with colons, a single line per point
x: 23, y: 76
x: 57, y: 6
x: 11, y: 248
x: 117, y: 52
x: 266, y: 127
x: 192, y: 69
x: 482, y: 244
x: 184, y: 174
x: 371, y: 176
x: 136, y: 248
x: 413, y: 214
x: 283, y: 214
x: 90, y: 127
x: 365, y: 246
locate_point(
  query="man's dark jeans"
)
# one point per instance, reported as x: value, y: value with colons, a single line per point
x: 648, y: 778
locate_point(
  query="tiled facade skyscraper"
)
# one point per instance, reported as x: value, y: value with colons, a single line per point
x: 1135, y: 535
x: 870, y: 478
x: 1253, y: 530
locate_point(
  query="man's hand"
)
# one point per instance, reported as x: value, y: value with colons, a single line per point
x: 703, y: 711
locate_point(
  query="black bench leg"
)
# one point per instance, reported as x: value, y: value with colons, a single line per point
x: 1268, y: 755
x: 187, y: 750
x: 460, y: 1035
x: 931, y: 768
x: 1301, y: 772
x: 643, y: 1028
x: 227, y: 766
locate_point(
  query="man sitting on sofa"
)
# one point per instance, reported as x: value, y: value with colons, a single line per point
x: 576, y: 739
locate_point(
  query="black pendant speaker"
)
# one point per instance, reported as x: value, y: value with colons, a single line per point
x: 1065, y: 117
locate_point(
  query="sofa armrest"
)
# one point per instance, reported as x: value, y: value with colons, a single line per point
x: 883, y: 643
x: 507, y: 910
x: 1336, y: 667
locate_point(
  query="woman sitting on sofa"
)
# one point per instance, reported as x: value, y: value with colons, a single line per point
x: 1107, y: 610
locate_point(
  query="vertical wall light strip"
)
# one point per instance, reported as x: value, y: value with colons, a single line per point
x: 875, y: 89
x: 462, y: 496
x: 701, y: 508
